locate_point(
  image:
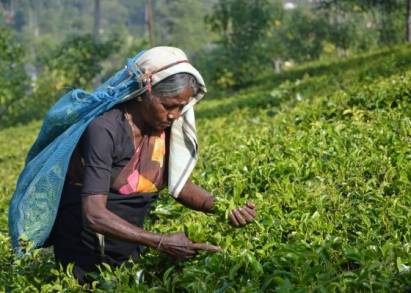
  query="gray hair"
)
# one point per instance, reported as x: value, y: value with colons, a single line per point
x: 175, y: 84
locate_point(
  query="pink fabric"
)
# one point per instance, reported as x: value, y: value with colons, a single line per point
x: 132, y: 182
x: 146, y: 165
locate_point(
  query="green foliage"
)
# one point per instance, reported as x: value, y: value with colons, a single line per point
x: 241, y: 25
x: 256, y: 35
x: 13, y: 78
x: 170, y: 24
x: 322, y: 150
x: 388, y: 17
x: 299, y: 35
x: 238, y: 38
x: 73, y: 64
x: 79, y: 59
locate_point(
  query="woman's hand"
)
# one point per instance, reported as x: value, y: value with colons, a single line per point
x: 180, y: 247
x: 242, y: 216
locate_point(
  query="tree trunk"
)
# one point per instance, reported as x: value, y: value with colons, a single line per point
x: 409, y: 21
x: 96, y: 28
x: 33, y: 20
x: 149, y: 18
x: 8, y: 9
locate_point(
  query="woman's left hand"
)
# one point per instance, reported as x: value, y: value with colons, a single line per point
x: 243, y: 215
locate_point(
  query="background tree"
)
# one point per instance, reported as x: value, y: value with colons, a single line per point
x: 180, y: 23
x: 241, y: 25
x: 97, y: 13
x: 14, y: 82
x: 228, y: 40
x: 387, y: 16
x: 301, y: 34
x: 409, y: 21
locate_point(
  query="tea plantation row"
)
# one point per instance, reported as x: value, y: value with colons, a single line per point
x: 324, y: 152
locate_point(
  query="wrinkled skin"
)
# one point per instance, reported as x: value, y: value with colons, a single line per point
x: 151, y: 114
x: 180, y: 247
x: 154, y: 114
x: 242, y: 216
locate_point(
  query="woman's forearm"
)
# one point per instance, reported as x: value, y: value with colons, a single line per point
x: 196, y: 198
x: 98, y: 218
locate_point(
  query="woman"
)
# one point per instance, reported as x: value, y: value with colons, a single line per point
x: 123, y: 159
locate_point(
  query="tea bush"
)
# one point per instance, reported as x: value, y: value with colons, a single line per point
x: 324, y: 152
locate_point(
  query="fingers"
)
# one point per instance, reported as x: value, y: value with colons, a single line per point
x: 180, y: 247
x: 250, y: 211
x: 247, y: 214
x: 183, y: 254
x: 243, y: 216
x: 180, y: 252
x: 240, y: 220
x: 205, y: 247
x: 251, y: 205
x: 233, y: 219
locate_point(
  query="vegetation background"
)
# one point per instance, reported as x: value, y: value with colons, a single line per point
x: 49, y: 47
x: 308, y: 114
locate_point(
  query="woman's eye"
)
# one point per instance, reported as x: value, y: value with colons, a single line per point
x: 172, y: 107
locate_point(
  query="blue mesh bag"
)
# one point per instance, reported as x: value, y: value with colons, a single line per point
x: 35, y: 202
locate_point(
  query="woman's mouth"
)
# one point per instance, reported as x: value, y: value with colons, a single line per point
x: 166, y: 124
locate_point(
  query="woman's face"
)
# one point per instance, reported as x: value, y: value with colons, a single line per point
x: 158, y: 113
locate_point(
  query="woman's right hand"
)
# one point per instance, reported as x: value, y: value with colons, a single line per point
x: 179, y: 246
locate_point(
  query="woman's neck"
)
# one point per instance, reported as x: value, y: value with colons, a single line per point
x: 133, y: 114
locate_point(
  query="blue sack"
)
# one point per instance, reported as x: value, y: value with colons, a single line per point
x: 35, y: 202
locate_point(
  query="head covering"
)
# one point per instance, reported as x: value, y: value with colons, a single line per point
x: 156, y: 65
x: 162, y: 62
x: 151, y: 67
x: 35, y: 202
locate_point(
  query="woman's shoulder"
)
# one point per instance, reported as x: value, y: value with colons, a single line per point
x: 110, y: 121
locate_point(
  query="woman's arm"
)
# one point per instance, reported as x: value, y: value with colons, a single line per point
x: 98, y: 218
x: 196, y: 198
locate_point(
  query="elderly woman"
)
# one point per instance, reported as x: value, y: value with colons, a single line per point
x: 125, y: 156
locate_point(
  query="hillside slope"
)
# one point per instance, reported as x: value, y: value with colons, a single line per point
x: 324, y: 152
